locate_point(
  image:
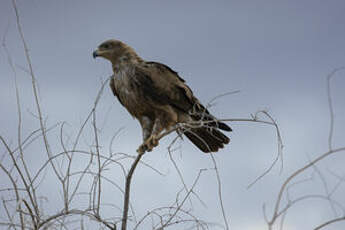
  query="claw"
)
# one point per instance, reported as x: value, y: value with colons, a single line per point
x: 154, y: 141
x: 142, y: 148
x: 148, y: 145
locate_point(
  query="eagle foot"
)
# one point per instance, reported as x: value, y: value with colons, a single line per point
x: 148, y: 145
x: 142, y: 149
x: 153, y: 140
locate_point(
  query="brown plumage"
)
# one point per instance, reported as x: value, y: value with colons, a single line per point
x: 159, y: 98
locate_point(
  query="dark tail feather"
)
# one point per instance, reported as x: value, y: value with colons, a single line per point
x: 223, y: 126
x: 207, y: 139
x: 202, y: 114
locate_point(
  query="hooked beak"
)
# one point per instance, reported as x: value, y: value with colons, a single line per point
x: 95, y: 54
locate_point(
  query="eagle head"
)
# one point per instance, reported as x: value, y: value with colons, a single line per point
x: 113, y: 50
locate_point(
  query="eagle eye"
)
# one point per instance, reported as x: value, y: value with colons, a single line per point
x: 105, y: 46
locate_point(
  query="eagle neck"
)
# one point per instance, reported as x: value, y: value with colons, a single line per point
x: 125, y: 62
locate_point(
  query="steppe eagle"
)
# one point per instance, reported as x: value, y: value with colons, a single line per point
x: 160, y: 99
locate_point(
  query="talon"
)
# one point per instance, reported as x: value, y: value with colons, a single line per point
x: 154, y: 141
x: 150, y: 143
x: 149, y: 146
x: 142, y: 148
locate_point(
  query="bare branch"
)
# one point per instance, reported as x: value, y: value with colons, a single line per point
x: 330, y: 222
x: 127, y: 191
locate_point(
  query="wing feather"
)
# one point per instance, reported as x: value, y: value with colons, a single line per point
x: 113, y: 89
x: 163, y: 85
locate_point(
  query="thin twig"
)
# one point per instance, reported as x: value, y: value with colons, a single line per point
x: 335, y: 220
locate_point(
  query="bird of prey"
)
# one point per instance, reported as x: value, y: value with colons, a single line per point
x: 160, y: 99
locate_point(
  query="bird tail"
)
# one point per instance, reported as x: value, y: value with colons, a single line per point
x: 208, y: 139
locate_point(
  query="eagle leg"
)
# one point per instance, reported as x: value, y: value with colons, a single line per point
x: 156, y: 130
x: 152, y: 140
x: 147, y: 126
x: 148, y: 145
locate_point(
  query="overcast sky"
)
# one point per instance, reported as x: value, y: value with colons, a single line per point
x: 277, y: 53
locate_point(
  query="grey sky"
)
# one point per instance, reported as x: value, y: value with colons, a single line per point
x: 277, y: 53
